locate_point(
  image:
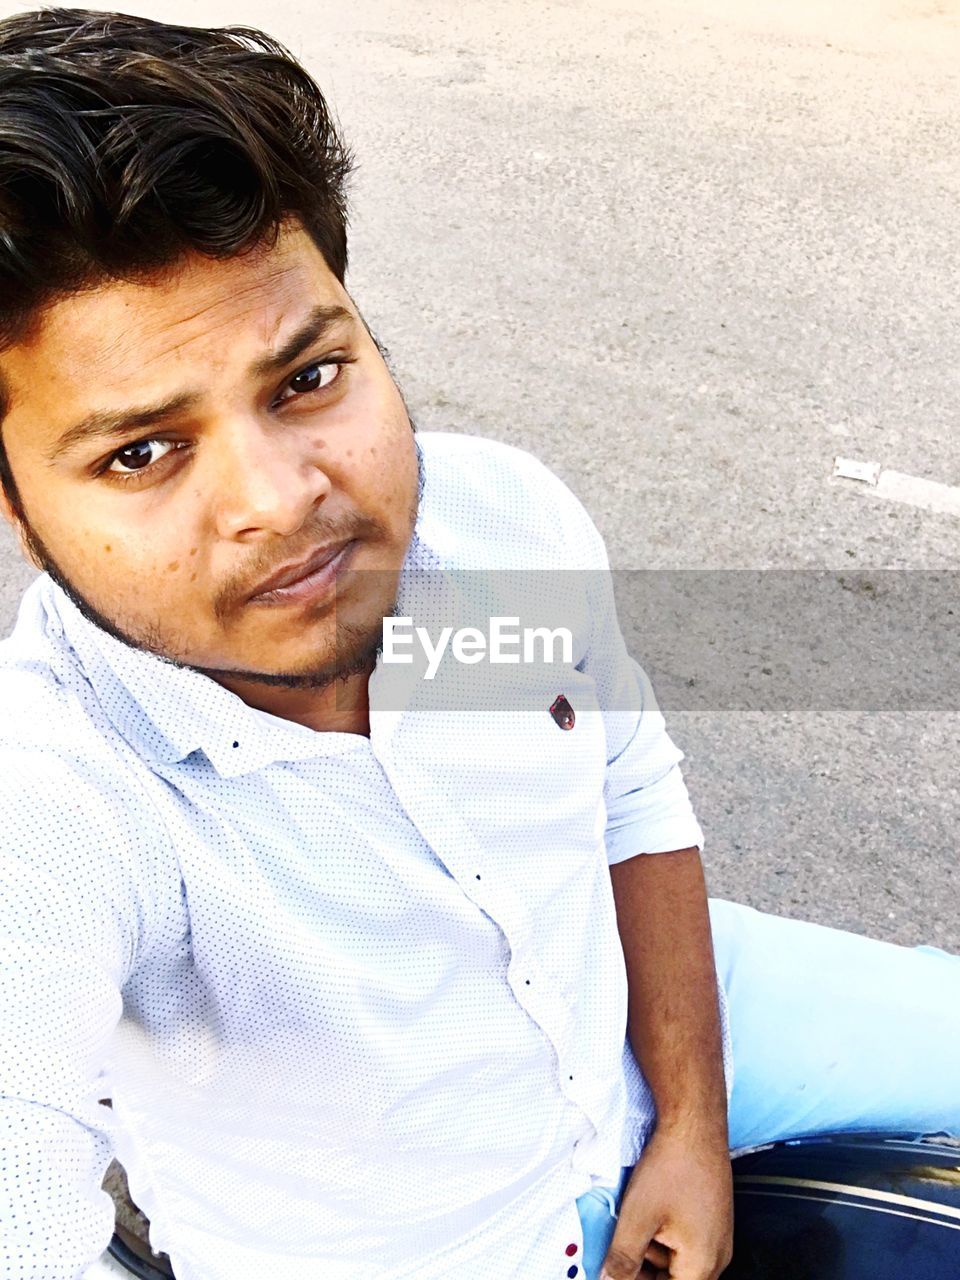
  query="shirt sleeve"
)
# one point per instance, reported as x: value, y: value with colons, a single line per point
x: 648, y: 807
x: 71, y: 922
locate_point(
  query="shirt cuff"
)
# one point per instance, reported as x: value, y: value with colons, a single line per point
x: 658, y: 818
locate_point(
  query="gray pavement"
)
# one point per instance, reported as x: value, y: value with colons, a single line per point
x: 687, y: 253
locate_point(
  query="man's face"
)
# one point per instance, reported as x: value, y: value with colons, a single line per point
x: 177, y: 444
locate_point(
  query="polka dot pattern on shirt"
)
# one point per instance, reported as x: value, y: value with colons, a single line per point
x: 358, y: 1002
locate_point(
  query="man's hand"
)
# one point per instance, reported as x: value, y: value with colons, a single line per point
x: 676, y: 1212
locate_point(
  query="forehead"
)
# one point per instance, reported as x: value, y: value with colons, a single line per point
x: 133, y: 336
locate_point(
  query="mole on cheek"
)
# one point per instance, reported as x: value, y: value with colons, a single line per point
x: 107, y: 547
x: 173, y: 566
x: 193, y: 551
x: 373, y: 452
x: 193, y: 577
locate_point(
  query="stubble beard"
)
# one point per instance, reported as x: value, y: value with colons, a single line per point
x: 357, y: 648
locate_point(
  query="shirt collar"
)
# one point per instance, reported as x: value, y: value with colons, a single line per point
x: 167, y: 712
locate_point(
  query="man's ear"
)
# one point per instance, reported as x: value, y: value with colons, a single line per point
x: 13, y: 518
x: 7, y: 508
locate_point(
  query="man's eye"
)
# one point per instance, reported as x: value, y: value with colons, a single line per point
x: 139, y: 455
x: 314, y: 378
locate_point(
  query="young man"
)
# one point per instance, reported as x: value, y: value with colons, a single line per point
x: 356, y: 969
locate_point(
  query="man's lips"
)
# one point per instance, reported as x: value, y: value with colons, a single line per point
x: 283, y: 583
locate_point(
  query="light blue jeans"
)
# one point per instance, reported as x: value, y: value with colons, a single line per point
x: 832, y: 1032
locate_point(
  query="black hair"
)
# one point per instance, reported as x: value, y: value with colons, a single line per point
x: 126, y: 143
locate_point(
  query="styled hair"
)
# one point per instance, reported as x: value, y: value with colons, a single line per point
x: 126, y: 143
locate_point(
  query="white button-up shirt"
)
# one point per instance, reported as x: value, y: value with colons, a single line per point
x: 360, y: 1003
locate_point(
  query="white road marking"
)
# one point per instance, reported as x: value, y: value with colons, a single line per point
x: 895, y: 486
x: 917, y: 492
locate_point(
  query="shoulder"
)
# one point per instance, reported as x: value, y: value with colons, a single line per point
x: 86, y: 861
x: 498, y: 506
x: 42, y: 689
x: 485, y: 468
x: 41, y: 711
x: 66, y: 777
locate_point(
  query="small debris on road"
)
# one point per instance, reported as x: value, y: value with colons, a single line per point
x: 854, y: 469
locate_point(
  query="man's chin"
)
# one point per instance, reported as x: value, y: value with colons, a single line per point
x: 357, y: 647
x: 356, y: 654
x: 312, y: 678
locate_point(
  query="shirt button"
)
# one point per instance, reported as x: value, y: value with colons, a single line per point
x: 572, y: 1271
x: 570, y: 1250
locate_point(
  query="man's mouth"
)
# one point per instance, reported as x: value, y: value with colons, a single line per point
x: 307, y: 579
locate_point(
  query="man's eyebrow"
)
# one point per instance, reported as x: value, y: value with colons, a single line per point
x: 317, y: 324
x: 106, y: 425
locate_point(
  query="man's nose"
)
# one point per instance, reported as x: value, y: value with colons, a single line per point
x: 267, y: 481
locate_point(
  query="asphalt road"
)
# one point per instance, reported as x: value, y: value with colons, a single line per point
x: 687, y: 253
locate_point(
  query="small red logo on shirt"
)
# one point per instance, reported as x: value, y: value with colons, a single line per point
x: 562, y: 712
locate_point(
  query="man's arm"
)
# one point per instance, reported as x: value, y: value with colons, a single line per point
x: 677, y: 1206
x: 680, y: 1189
x: 76, y: 885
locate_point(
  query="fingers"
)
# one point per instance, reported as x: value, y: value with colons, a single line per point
x: 696, y: 1266
x: 659, y: 1263
x: 658, y: 1256
x: 632, y: 1241
x: 620, y: 1265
